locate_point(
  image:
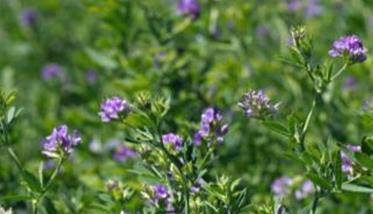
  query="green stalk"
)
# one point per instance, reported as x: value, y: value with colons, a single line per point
x: 315, y: 203
x: 307, y: 123
x: 339, y: 72
x: 48, y: 185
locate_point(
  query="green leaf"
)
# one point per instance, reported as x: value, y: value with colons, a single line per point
x: 367, y: 145
x: 11, y: 114
x: 364, y: 160
x: 320, y: 181
x: 277, y: 127
x: 338, y: 169
x: 32, y: 181
x: 49, y: 205
x: 41, y: 176
x: 356, y: 188
x: 15, y: 198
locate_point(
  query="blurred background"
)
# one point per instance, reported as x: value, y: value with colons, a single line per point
x: 64, y: 57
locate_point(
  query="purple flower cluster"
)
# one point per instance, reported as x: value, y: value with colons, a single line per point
x: 189, y: 7
x: 350, y: 46
x: 211, y: 126
x: 91, y: 77
x: 174, y: 140
x: 197, y: 186
x: 310, y: 8
x: 160, y: 192
x: 347, y: 163
x: 51, y: 71
x: 305, y: 190
x: 281, y: 186
x: 162, y: 196
x: 122, y: 153
x: 256, y: 104
x: 112, y: 108
x: 29, y: 17
x: 350, y: 83
x: 60, y: 140
x: 294, y: 5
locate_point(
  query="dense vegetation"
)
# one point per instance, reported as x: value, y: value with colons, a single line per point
x: 186, y: 106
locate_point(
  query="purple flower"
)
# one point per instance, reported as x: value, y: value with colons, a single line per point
x: 160, y: 192
x: 211, y: 125
x: 173, y: 139
x: 91, y: 77
x: 48, y: 164
x: 122, y: 153
x: 280, y: 187
x: 162, y: 197
x: 50, y: 71
x: 305, y: 190
x: 256, y: 104
x: 197, y: 185
x: 29, y: 17
x: 262, y: 31
x: 350, y: 83
x: 313, y: 8
x: 351, y: 46
x: 112, y: 108
x: 60, y: 140
x: 197, y: 139
x: 189, y: 7
x: 294, y: 5
x: 347, y: 163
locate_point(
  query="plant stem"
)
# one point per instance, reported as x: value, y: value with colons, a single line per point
x: 47, y: 186
x: 206, y: 157
x: 15, y: 159
x: 178, y: 165
x: 339, y: 72
x: 307, y: 123
x: 315, y: 203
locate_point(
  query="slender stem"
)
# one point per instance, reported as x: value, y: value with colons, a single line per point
x: 339, y: 72
x: 315, y: 203
x: 53, y: 176
x: 206, y: 157
x: 15, y: 159
x: 307, y: 123
x: 34, y: 207
x: 47, y: 186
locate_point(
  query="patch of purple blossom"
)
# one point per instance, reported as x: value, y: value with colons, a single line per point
x: 60, y: 140
x: 281, y: 186
x: 305, y: 190
x: 197, y: 186
x: 122, y: 153
x: 211, y: 125
x: 294, y: 5
x: 113, y: 108
x: 162, y: 196
x: 175, y: 140
x: 189, y: 7
x: 91, y: 77
x: 256, y: 104
x: 29, y: 17
x: 313, y: 8
x: 350, y: 83
x: 350, y: 46
x: 347, y: 162
x: 52, y: 71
